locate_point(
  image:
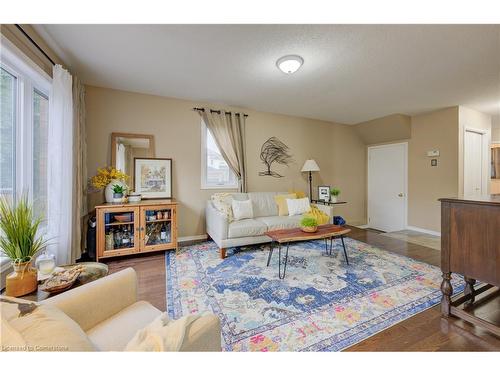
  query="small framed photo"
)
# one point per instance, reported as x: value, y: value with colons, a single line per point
x: 324, y: 193
x: 153, y: 177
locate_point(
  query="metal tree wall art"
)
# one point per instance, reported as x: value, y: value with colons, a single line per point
x: 274, y: 151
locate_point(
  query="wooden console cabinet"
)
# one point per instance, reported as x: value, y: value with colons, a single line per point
x: 131, y: 228
x: 470, y: 246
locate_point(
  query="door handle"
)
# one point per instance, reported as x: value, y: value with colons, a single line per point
x: 400, y: 195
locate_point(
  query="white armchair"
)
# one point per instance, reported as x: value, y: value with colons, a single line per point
x: 109, y: 314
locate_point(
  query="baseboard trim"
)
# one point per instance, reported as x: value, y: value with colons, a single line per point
x: 192, y: 238
x: 364, y: 226
x: 422, y: 230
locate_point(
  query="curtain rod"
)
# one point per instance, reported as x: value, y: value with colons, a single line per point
x: 215, y: 111
x: 35, y: 44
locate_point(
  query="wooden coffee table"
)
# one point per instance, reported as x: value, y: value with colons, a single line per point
x: 285, y: 236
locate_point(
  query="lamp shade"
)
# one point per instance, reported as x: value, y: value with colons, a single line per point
x: 310, y: 166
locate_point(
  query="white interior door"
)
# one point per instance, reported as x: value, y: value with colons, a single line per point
x: 387, y: 182
x: 474, y: 160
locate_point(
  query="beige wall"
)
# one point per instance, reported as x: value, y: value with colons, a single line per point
x: 426, y: 184
x: 385, y: 129
x: 176, y: 127
x: 495, y: 135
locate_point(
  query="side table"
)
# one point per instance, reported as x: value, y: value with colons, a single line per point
x: 92, y: 272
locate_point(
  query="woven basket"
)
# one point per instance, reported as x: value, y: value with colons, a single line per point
x: 309, y: 229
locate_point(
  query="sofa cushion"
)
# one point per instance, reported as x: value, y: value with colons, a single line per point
x: 239, y: 196
x: 264, y: 204
x: 246, y: 228
x: 222, y: 203
x: 298, y: 206
x: 242, y: 209
x: 114, y: 333
x: 282, y: 204
x: 40, y: 327
x: 280, y: 222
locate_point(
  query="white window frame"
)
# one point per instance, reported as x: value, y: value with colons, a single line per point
x: 29, y: 77
x: 204, y: 185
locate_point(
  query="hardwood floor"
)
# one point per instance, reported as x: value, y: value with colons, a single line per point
x: 426, y: 331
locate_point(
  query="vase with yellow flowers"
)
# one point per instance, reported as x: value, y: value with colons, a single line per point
x: 107, y: 178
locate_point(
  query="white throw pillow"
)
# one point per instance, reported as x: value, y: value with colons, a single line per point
x: 242, y: 209
x: 222, y: 203
x: 298, y: 206
x: 162, y: 335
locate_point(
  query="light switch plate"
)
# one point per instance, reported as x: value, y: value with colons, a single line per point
x: 433, y: 153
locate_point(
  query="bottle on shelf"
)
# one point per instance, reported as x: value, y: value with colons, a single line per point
x: 117, y: 238
x: 163, y: 233
x: 125, y: 237
x: 169, y: 233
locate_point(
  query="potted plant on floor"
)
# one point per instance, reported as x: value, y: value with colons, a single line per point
x: 19, y: 241
x: 334, y: 194
x: 309, y: 224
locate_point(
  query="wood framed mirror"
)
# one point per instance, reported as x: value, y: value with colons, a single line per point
x: 127, y: 146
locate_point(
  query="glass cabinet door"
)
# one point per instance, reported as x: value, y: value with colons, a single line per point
x: 157, y: 227
x: 120, y: 234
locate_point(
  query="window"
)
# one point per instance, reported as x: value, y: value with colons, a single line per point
x: 24, y: 121
x: 215, y: 173
x: 8, y: 86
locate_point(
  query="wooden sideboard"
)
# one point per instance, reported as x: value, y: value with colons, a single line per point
x: 131, y: 228
x: 470, y: 246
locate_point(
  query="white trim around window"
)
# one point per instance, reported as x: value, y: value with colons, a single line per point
x: 29, y: 77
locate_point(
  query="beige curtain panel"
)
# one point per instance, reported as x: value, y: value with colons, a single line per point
x: 228, y: 130
x: 79, y: 168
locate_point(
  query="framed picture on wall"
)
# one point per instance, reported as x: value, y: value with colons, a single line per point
x: 153, y: 177
x: 324, y: 193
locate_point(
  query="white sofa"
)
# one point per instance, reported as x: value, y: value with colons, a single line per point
x: 249, y: 231
x: 107, y: 314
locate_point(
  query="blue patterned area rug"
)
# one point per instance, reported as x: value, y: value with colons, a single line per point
x: 323, y: 304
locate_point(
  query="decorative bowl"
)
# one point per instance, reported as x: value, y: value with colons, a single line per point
x: 133, y: 198
x: 62, y: 280
x: 123, y: 218
x: 309, y: 229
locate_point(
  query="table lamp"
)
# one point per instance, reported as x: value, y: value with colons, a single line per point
x: 310, y: 166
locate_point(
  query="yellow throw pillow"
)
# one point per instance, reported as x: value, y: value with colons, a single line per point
x: 299, y: 193
x: 281, y: 202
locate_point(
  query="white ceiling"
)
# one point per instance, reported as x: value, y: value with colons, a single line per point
x: 352, y: 73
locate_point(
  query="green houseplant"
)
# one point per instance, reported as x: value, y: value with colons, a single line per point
x: 19, y: 241
x: 118, y: 191
x: 334, y: 194
x: 309, y: 224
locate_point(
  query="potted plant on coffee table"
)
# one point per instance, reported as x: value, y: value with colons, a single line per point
x: 20, y: 242
x: 309, y: 224
x: 334, y: 194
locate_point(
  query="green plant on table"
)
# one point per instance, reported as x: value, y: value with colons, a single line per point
x: 118, y: 189
x: 18, y: 230
x: 308, y: 222
x: 335, y: 192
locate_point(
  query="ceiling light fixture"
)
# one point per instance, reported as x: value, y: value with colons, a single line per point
x: 289, y: 64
